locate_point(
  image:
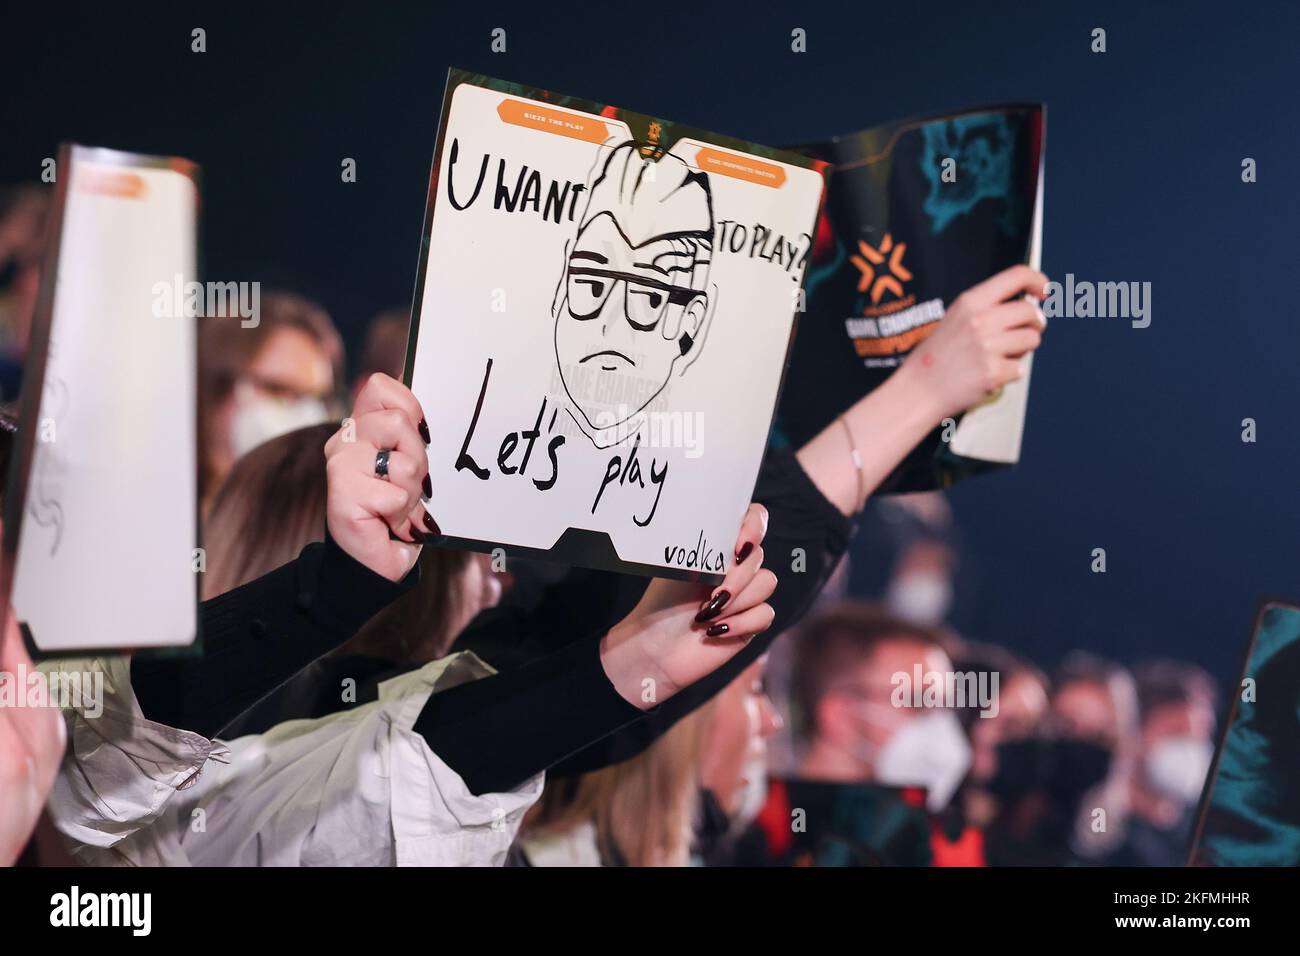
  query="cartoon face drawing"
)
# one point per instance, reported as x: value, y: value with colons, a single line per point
x: 634, y: 305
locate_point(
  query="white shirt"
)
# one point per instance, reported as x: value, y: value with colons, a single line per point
x: 355, y: 788
x: 577, y: 846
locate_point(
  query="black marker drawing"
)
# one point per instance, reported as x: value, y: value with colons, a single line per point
x: 43, y: 504
x: 634, y: 302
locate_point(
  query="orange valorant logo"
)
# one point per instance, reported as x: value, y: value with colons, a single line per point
x: 880, y: 280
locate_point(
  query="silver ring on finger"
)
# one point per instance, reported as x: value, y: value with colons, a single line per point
x: 381, y: 463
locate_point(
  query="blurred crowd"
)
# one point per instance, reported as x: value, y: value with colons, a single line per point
x: 824, y: 751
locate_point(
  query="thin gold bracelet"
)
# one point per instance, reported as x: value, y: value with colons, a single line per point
x: 857, y: 463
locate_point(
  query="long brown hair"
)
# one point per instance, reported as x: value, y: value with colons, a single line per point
x: 644, y: 809
x: 272, y: 505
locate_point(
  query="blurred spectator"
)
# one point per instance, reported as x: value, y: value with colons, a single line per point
x: 637, y: 813
x: 921, y: 589
x: 1021, y: 707
x: 1176, y: 702
x: 782, y: 748
x: 1062, y: 795
x: 1095, y: 705
x: 261, y: 381
x: 24, y: 211
x: 844, y: 686
x: 385, y: 347
x: 906, y: 556
x: 733, y: 761
x: 870, y: 763
x: 270, y: 507
x: 701, y: 786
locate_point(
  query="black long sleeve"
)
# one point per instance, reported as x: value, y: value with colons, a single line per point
x: 258, y: 635
x: 507, y: 719
x: 806, y: 537
x: 499, y: 731
x: 550, y: 706
x: 527, y: 644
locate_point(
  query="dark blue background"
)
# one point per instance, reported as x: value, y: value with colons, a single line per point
x: 1133, y: 439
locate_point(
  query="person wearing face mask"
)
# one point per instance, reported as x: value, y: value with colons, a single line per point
x: 1061, y: 792
x: 921, y: 588
x: 996, y: 775
x: 872, y: 775
x: 260, y: 381
x: 1176, y: 703
x: 733, y: 763
x: 908, y: 553
x: 1093, y: 717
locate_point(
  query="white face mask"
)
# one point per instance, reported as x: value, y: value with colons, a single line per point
x: 920, y: 597
x: 929, y: 751
x: 259, y: 418
x: 1177, y: 767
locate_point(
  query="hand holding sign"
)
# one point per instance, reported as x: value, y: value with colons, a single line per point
x: 367, y: 509
x: 918, y: 213
x: 974, y: 350
x: 681, y: 632
x: 603, y: 311
x: 977, y: 346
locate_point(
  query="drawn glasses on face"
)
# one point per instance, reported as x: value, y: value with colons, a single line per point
x: 644, y: 299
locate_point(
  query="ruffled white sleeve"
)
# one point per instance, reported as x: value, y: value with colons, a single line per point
x: 356, y: 788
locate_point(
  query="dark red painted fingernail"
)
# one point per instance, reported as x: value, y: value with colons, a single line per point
x: 743, y: 553
x: 415, y: 533
x: 424, y: 432
x: 428, y: 488
x: 717, y: 630
x: 714, y: 607
x: 432, y: 525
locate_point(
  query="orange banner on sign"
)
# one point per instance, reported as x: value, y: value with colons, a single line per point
x: 574, y: 125
x: 894, y: 344
x: 110, y: 182
x: 740, y: 167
